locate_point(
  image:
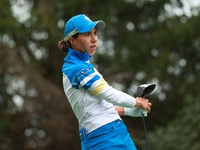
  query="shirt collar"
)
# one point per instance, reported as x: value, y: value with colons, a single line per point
x: 75, y: 55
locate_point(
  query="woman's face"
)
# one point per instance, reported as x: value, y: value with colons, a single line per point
x: 86, y: 42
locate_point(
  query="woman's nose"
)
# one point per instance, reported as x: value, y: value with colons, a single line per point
x: 94, y: 38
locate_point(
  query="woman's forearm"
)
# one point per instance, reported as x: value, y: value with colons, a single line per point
x: 120, y: 110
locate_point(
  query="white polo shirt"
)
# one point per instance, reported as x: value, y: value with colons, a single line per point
x: 89, y: 95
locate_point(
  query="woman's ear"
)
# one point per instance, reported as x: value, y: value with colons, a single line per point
x: 72, y: 41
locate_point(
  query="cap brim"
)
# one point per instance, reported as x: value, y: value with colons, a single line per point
x: 99, y: 25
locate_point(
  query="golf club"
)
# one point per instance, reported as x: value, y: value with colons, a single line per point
x: 142, y: 91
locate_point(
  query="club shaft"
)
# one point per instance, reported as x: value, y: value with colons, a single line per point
x: 145, y: 132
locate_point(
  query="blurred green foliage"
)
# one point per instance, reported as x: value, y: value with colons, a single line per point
x: 144, y: 41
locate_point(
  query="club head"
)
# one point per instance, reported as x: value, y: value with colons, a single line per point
x: 145, y: 89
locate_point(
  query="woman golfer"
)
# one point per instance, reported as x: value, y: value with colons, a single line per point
x: 96, y: 105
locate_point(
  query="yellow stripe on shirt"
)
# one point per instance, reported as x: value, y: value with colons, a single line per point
x: 100, y: 87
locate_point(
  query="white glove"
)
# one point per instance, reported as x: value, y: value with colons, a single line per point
x: 135, y: 112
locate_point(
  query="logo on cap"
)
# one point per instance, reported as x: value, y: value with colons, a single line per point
x: 86, y: 18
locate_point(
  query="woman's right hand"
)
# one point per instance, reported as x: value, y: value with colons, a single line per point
x: 143, y: 103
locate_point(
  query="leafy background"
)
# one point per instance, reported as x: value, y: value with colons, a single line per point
x: 144, y: 41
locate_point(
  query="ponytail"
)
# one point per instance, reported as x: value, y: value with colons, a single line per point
x: 63, y: 46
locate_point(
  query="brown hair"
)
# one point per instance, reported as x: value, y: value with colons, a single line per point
x: 63, y: 46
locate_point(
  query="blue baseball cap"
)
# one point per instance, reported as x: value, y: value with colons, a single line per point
x: 81, y: 24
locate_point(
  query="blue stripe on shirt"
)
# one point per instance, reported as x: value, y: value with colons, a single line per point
x: 90, y: 82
